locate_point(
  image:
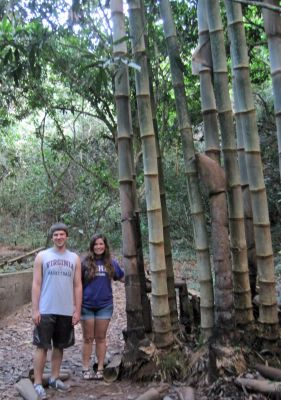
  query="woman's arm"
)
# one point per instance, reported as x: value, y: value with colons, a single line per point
x: 119, y: 273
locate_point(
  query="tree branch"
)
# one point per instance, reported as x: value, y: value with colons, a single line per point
x: 259, y: 4
x: 41, y: 132
x: 76, y: 161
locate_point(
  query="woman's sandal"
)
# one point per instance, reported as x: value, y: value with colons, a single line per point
x: 87, y: 375
x: 99, y: 375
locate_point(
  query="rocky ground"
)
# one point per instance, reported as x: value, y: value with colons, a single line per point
x: 16, y: 360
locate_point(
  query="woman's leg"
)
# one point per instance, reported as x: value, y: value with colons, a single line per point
x: 88, y: 329
x: 101, y: 326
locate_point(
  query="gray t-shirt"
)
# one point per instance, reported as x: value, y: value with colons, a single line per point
x: 57, y: 282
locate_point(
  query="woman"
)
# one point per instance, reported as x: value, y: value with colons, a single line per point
x: 98, y: 270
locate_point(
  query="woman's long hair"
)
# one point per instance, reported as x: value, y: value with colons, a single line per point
x: 91, y: 258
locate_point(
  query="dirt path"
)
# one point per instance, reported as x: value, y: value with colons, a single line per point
x: 16, y: 357
x: 16, y: 351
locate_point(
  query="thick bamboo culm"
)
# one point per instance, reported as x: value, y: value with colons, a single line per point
x: 245, y: 107
x: 166, y: 224
x: 248, y: 214
x: 241, y: 284
x: 159, y: 293
x: 207, y: 95
x: 272, y: 26
x: 195, y: 199
x: 213, y: 178
x: 135, y: 324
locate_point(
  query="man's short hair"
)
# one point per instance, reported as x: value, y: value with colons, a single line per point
x: 59, y: 226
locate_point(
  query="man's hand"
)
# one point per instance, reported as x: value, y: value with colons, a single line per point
x: 36, y: 317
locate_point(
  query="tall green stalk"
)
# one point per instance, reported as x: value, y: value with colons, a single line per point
x: 197, y: 212
x: 272, y: 26
x: 248, y: 214
x: 208, y: 102
x: 166, y: 224
x: 245, y: 105
x: 135, y: 325
x: 159, y: 294
x: 241, y: 284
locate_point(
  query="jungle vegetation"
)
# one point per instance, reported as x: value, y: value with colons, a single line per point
x: 57, y: 104
x: 105, y: 114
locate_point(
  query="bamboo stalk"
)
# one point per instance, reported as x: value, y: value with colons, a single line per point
x: 241, y: 284
x: 135, y: 324
x: 269, y: 372
x: 248, y: 214
x: 213, y: 178
x: 165, y: 217
x: 195, y: 199
x: 261, y: 386
x: 272, y: 25
x: 26, y: 389
x: 268, y: 317
x: 208, y: 102
x: 159, y: 292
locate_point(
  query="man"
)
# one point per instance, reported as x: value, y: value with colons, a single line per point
x: 56, y: 306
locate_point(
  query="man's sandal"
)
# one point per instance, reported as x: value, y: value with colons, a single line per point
x: 87, y: 375
x: 99, y: 375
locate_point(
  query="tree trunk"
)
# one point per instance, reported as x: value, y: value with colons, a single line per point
x: 160, y: 305
x: 245, y: 105
x: 195, y: 199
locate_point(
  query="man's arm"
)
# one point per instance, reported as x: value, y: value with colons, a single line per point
x: 77, y: 292
x: 36, y: 288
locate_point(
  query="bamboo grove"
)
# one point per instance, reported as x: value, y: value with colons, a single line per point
x: 238, y: 251
x: 117, y: 91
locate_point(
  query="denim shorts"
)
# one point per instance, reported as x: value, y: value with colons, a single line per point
x: 97, y: 313
x: 54, y: 330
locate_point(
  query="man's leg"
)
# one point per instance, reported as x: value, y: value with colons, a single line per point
x: 56, y: 361
x: 88, y: 328
x: 63, y: 337
x: 101, y: 327
x: 39, y: 362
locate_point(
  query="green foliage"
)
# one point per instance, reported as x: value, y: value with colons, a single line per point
x: 58, y: 125
x: 257, y: 48
x: 75, y: 181
x: 20, y: 60
x: 177, y: 197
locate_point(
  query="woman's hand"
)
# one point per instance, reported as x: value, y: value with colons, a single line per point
x: 75, y: 317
